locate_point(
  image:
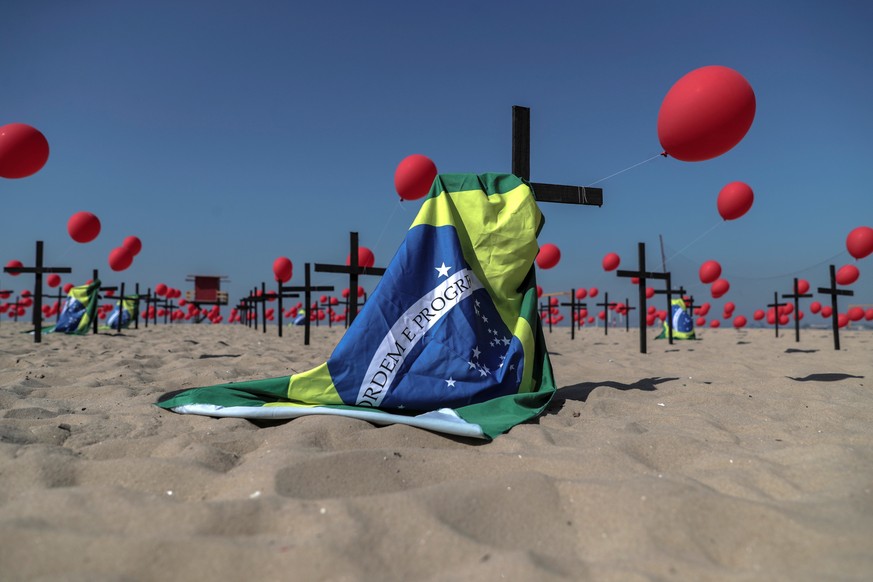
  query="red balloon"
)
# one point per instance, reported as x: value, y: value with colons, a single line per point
x: 735, y: 200
x: 714, y: 323
x: 758, y: 315
x: 581, y: 293
x: 705, y: 114
x: 549, y: 256
x: 826, y: 311
x: 719, y: 288
x: 539, y: 291
x: 815, y: 307
x: 133, y: 244
x: 650, y: 292
x: 414, y: 176
x: 161, y: 289
x: 14, y: 263
x: 847, y: 274
x: 23, y: 150
x: 283, y: 269
x: 67, y: 287
x: 709, y: 272
x: 361, y: 290
x: 53, y: 280
x: 729, y: 307
x: 366, y: 258
x: 120, y: 258
x: 611, y: 262
x: 593, y: 292
x: 868, y: 315
x: 346, y: 293
x: 859, y: 243
x: 842, y: 320
x: 856, y: 313
x: 83, y: 227
x: 802, y: 286
x: 740, y: 321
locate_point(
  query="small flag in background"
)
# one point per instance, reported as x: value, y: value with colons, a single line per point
x: 450, y: 340
x: 78, y: 311
x: 683, y: 325
x: 125, y: 308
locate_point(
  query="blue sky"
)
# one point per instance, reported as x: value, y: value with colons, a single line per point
x: 225, y: 134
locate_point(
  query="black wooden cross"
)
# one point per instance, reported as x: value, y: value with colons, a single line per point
x: 279, y: 296
x: 588, y: 196
x: 97, y: 297
x: 574, y: 306
x: 642, y: 274
x: 796, y: 296
x: 627, y: 309
x: 307, y: 288
x: 353, y: 270
x: 776, y: 305
x: 38, y: 271
x: 606, y: 305
x: 833, y: 292
x: 669, y: 291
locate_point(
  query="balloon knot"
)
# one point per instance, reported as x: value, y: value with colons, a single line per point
x: 664, y: 154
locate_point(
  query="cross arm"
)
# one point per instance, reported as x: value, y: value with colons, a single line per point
x: 345, y: 269
x: 584, y: 195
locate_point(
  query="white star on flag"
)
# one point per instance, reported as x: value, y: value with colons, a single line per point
x: 450, y: 382
x: 443, y: 270
x: 476, y: 352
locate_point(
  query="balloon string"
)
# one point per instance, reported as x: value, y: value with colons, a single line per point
x: 625, y: 170
x: 387, y: 222
x: 711, y: 228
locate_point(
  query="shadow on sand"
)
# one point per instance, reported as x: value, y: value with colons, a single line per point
x: 582, y: 390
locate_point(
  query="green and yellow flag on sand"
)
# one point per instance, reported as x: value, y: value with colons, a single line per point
x: 78, y: 311
x: 449, y: 341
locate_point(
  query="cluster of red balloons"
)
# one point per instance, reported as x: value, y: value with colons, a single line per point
x: 120, y: 258
x: 24, y: 150
x: 414, y: 176
x: 163, y: 290
x: 710, y: 273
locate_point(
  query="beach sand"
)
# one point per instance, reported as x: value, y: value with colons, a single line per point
x: 736, y: 457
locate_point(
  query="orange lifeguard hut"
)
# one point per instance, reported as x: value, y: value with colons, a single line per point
x: 207, y: 290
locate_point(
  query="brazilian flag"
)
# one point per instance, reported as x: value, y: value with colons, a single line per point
x: 683, y: 325
x: 78, y: 311
x: 127, y: 309
x: 449, y: 341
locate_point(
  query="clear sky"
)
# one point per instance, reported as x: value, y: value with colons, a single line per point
x: 227, y: 133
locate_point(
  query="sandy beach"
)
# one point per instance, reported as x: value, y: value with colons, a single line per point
x: 740, y: 456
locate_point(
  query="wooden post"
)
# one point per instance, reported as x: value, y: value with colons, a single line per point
x: 796, y: 296
x: 642, y: 274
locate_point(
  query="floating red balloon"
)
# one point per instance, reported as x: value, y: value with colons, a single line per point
x: 734, y: 200
x: 802, y: 286
x: 714, y: 323
x: 67, y: 287
x: 581, y: 293
x: 14, y: 263
x: 855, y: 313
x: 366, y: 258
x: 83, y: 227
x: 705, y: 114
x: 847, y: 274
x: 161, y: 289
x: 611, y: 261
x: 650, y: 292
x: 414, y: 176
x: 740, y: 321
x: 23, y: 150
x: 815, y: 307
x: 53, y: 280
x: 859, y: 243
x: 758, y: 315
x: 120, y: 258
x: 133, y: 244
x: 709, y: 272
x: 549, y: 256
x: 719, y: 288
x: 283, y: 269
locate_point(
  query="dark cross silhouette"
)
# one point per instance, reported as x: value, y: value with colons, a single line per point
x: 38, y: 269
x: 151, y: 302
x: 138, y: 299
x: 521, y: 167
x: 796, y: 296
x: 833, y: 292
x: 353, y: 270
x: 776, y: 305
x: 574, y: 306
x: 58, y: 300
x: 307, y: 288
x: 669, y: 291
x: 279, y: 296
x: 627, y: 309
x: 642, y: 274
x: 95, y: 275
x: 606, y: 305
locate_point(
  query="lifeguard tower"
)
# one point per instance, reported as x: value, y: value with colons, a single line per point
x: 207, y: 290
